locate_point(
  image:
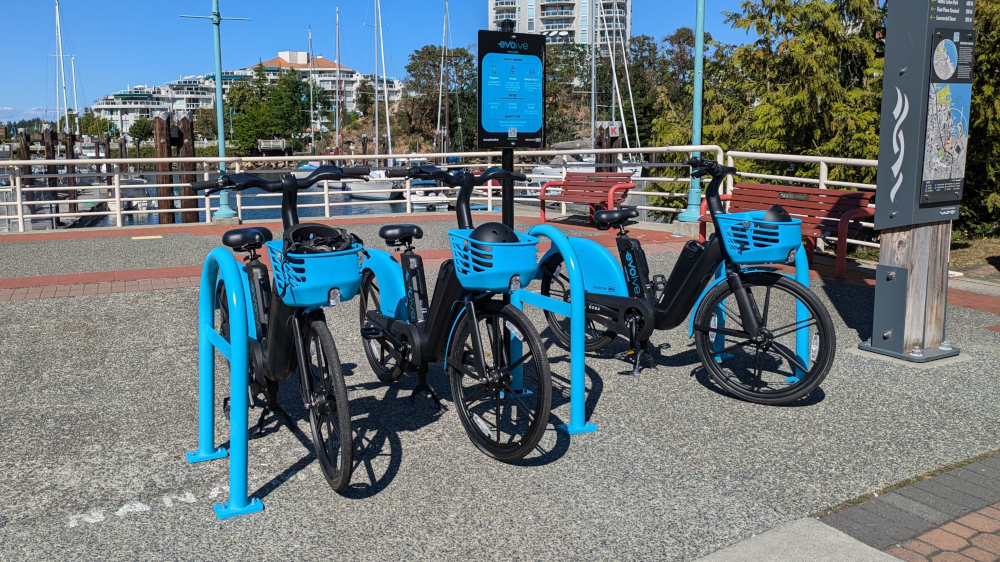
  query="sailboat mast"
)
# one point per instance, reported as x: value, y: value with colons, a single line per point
x: 76, y: 104
x: 312, y: 105
x: 385, y: 87
x: 377, y: 137
x: 58, y: 110
x: 444, y: 46
x: 339, y: 98
x: 593, y: 74
x: 62, y: 66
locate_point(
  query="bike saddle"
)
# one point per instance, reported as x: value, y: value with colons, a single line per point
x: 244, y: 239
x: 615, y: 217
x: 397, y: 234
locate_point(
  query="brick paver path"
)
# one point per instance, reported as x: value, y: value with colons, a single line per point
x: 971, y: 538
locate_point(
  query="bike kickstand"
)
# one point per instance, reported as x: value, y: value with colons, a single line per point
x: 422, y: 386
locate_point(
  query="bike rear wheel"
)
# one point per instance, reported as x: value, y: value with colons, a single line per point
x: 555, y: 284
x: 325, y: 396
x: 769, y: 371
x: 378, y: 351
x: 502, y: 423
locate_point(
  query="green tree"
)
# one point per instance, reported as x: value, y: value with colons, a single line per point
x: 251, y: 119
x: 288, y: 106
x: 92, y: 125
x: 364, y: 97
x: 981, y: 201
x: 141, y: 131
x: 205, y: 123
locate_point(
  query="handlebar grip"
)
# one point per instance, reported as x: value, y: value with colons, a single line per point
x: 200, y: 185
x: 357, y: 171
x: 397, y: 172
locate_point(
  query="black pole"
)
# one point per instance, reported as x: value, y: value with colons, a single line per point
x: 507, y: 197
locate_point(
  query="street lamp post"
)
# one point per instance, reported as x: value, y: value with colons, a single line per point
x: 225, y: 211
x: 693, y: 211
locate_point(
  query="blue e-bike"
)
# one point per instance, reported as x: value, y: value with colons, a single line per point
x: 499, y: 371
x: 760, y: 335
x: 314, y: 266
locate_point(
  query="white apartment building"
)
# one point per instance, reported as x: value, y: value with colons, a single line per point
x: 195, y: 92
x: 566, y: 21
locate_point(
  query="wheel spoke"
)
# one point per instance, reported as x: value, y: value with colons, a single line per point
x: 517, y: 399
x: 464, y: 370
x: 734, y: 347
x: 795, y: 327
x: 479, y: 391
x: 498, y: 406
x: 757, y: 368
x: 791, y: 359
x: 517, y: 363
x: 767, y: 302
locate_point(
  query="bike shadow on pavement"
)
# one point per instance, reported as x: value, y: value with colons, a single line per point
x: 378, y: 421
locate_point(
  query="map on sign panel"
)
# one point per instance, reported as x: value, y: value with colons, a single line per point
x: 947, y: 131
x: 511, y: 94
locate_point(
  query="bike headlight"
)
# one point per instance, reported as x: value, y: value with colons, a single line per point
x: 515, y: 283
x: 334, y: 296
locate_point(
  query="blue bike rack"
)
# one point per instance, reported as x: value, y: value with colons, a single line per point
x: 801, y: 314
x: 575, y: 310
x: 209, y: 340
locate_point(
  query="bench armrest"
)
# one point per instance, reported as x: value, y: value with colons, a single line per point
x: 547, y: 184
x: 624, y: 187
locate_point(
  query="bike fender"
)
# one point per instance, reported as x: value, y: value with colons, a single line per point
x: 392, y: 294
x: 245, y: 279
x: 709, y: 288
x: 602, y: 274
x: 451, y: 332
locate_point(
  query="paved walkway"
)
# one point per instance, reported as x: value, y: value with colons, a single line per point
x: 98, y: 403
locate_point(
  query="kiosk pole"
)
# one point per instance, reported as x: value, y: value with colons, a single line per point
x: 507, y: 196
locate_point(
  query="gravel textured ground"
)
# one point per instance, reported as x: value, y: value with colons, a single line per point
x: 98, y: 404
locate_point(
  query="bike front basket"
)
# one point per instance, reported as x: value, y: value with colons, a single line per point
x: 488, y: 266
x: 751, y: 240
x: 306, y: 280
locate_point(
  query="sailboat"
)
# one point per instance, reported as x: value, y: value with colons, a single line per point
x: 374, y: 189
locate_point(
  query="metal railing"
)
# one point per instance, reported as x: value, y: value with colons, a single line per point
x: 15, y: 210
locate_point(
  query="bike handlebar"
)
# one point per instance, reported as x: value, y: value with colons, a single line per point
x: 241, y: 181
x: 705, y: 167
x: 454, y: 179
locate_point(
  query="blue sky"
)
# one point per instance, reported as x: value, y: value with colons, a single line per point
x: 127, y: 42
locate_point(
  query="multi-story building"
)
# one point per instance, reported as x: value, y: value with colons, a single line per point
x: 566, y: 21
x: 196, y: 92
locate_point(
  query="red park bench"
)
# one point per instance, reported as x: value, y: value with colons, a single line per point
x: 597, y: 189
x: 822, y: 211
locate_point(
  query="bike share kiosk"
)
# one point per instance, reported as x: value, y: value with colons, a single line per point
x: 512, y: 115
x: 926, y: 99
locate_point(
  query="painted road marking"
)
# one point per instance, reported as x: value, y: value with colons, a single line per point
x: 95, y: 515
x: 134, y: 507
x: 146, y: 237
x: 188, y: 497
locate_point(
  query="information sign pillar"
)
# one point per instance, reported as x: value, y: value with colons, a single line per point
x: 926, y: 97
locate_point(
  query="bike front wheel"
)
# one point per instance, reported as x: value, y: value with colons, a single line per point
x: 505, y: 409
x: 793, y: 355
x: 325, y: 397
x: 382, y: 357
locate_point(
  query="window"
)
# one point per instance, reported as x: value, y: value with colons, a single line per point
x: 531, y: 25
x: 531, y: 11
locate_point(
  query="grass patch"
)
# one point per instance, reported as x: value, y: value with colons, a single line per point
x: 975, y: 251
x: 898, y: 485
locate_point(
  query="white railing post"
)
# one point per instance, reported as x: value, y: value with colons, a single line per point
x: 239, y: 194
x: 489, y: 198
x: 208, y: 199
x: 326, y: 198
x: 118, y: 199
x: 409, y: 198
x: 17, y: 199
x: 729, y: 179
x: 824, y: 174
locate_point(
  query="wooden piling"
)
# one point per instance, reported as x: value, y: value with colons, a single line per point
x: 161, y: 149
x: 69, y: 141
x: 186, y: 127
x: 49, y: 141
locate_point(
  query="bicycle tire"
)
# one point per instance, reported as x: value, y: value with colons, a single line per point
x: 327, y: 406
x: 385, y: 368
x: 527, y: 416
x: 595, y: 339
x: 794, y: 386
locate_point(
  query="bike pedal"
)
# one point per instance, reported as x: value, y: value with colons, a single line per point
x: 371, y: 333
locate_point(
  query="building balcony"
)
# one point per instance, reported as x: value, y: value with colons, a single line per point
x: 551, y: 2
x: 504, y: 4
x: 555, y: 13
x: 500, y: 16
x: 560, y: 25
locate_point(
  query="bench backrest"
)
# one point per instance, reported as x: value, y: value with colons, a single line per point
x: 819, y: 209
x: 593, y: 183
